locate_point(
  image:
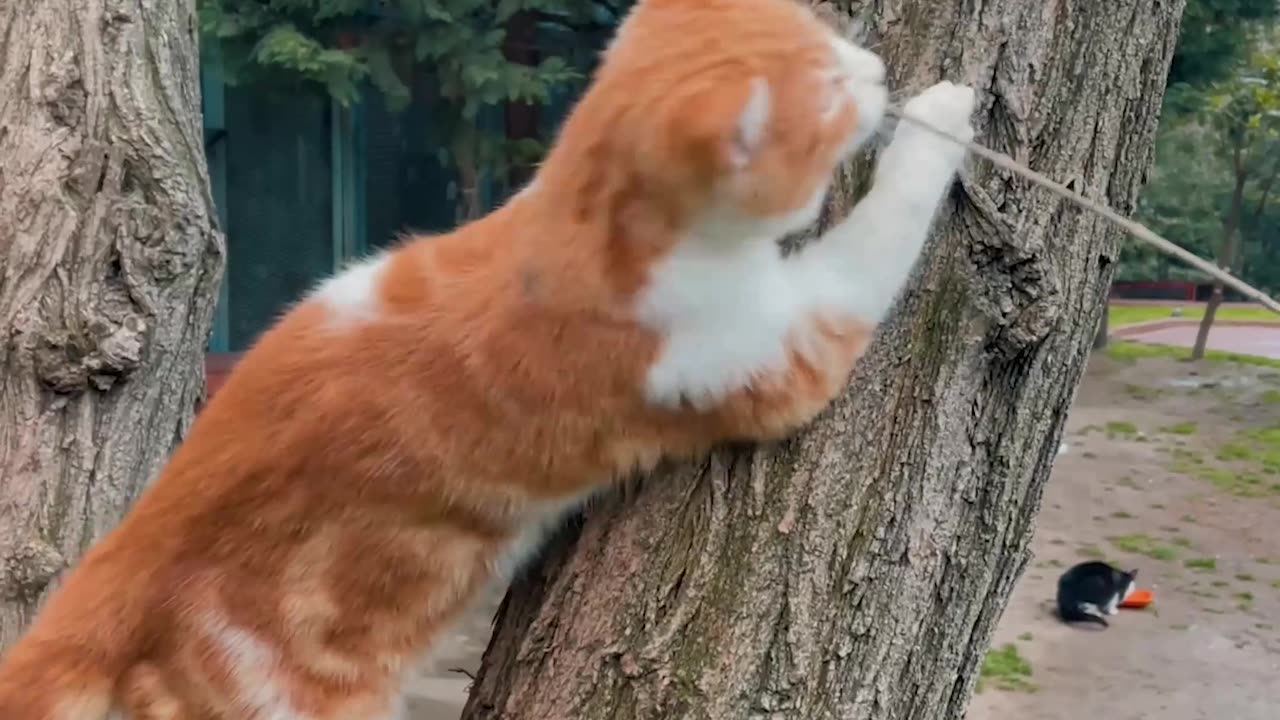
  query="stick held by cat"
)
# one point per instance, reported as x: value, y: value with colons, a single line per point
x: 406, y: 434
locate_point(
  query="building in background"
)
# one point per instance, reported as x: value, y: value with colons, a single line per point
x: 304, y: 186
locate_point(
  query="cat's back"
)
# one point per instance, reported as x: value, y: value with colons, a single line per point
x: 466, y: 356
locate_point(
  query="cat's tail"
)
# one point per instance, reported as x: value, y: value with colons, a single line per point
x: 1082, y: 612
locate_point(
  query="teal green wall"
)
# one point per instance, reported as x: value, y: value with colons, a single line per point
x: 304, y: 186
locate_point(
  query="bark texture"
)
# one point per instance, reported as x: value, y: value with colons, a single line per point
x: 857, y: 572
x: 109, y: 264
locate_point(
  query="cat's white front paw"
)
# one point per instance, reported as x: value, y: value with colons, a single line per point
x: 945, y: 106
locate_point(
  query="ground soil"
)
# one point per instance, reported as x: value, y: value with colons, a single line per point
x: 1210, y: 645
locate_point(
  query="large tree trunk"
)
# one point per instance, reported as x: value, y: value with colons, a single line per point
x: 109, y: 262
x: 858, y: 571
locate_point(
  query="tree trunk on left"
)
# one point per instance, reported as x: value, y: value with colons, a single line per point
x: 109, y: 266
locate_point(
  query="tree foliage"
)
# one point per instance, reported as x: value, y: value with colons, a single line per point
x: 1223, y: 131
x: 349, y: 47
x: 1215, y: 38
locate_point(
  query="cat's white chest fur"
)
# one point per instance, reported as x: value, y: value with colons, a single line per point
x: 725, y: 313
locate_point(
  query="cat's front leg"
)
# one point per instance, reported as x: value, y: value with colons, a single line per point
x: 861, y: 264
x: 850, y: 278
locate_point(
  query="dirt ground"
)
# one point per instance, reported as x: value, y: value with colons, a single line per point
x: 1165, y: 470
x: 1160, y: 473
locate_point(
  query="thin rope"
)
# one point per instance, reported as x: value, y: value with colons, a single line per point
x: 1134, y: 228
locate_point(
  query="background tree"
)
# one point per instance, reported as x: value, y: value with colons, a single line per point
x: 109, y: 262
x: 858, y: 571
x: 1191, y: 186
x: 479, y: 54
x: 1215, y: 40
x: 1244, y: 113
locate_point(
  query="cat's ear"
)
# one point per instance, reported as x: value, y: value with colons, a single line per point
x: 752, y: 121
x: 726, y: 124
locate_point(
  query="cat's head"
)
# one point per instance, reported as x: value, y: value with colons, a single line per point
x: 735, y: 110
x: 1127, y: 582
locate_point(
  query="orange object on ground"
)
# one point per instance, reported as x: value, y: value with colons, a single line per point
x: 1139, y: 599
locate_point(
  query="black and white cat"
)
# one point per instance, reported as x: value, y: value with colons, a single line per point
x: 1091, y: 590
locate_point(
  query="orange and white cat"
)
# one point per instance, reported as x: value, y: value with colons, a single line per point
x: 407, y: 433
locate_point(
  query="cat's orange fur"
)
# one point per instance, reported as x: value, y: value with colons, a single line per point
x: 400, y: 438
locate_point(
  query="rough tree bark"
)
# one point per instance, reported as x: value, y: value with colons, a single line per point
x: 109, y: 264
x: 858, y: 571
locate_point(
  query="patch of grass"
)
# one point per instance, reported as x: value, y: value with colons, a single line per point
x: 1130, y: 352
x: 1201, y: 564
x: 1025, y: 637
x: 1188, y: 519
x: 1240, y: 484
x: 1266, y: 442
x: 1156, y: 506
x: 1179, y: 626
x: 1253, y: 455
x: 1121, y: 315
x: 1122, y: 429
x: 1244, y: 600
x: 1092, y: 552
x: 1245, y: 577
x: 1219, y: 583
x: 1145, y: 545
x: 1203, y: 594
x: 1142, y: 393
x: 1121, y: 515
x: 1182, y: 428
x: 1181, y: 541
x: 1089, y: 455
x: 1275, y: 584
x: 1234, y: 451
x: 1004, y: 669
x: 1270, y: 397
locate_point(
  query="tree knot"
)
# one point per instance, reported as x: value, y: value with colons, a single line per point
x: 1018, y: 290
x: 67, y: 361
x: 27, y: 569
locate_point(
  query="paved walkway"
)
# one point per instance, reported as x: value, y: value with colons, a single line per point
x: 438, y: 691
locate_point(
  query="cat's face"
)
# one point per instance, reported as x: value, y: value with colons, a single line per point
x: 1128, y: 584
x: 744, y: 107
